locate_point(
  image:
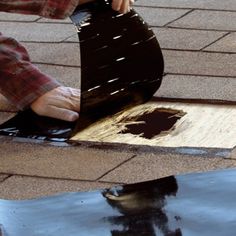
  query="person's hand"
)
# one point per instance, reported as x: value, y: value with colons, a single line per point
x: 122, y: 6
x: 61, y: 103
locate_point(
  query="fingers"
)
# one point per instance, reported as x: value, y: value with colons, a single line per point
x: 61, y: 113
x: 61, y: 103
x: 116, y: 4
x: 65, y: 97
x: 123, y: 6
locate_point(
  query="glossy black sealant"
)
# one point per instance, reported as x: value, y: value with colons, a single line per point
x: 188, y: 205
x: 121, y: 65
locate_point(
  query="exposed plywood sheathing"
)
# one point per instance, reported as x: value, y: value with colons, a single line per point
x: 201, y: 125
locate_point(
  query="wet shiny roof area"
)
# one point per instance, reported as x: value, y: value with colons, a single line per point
x: 175, y: 205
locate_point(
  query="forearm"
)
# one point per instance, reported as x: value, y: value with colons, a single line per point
x: 20, y: 81
x: 47, y: 8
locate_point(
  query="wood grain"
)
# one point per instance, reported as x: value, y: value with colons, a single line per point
x: 203, y: 125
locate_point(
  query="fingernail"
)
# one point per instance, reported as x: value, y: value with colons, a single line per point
x: 73, y: 116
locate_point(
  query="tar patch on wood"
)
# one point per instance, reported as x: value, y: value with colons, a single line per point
x: 158, y: 122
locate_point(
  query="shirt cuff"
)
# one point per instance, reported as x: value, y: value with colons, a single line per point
x: 24, y: 88
x: 59, y: 9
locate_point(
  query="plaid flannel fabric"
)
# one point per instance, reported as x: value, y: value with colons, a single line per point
x: 20, y: 81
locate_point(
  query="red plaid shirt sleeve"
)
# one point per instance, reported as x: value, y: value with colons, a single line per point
x: 20, y: 81
x: 47, y: 8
